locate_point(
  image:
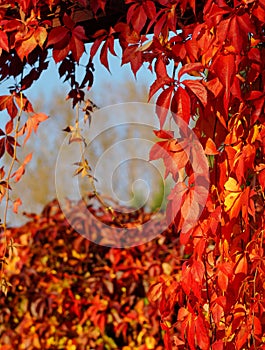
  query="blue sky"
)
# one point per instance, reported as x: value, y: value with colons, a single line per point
x: 50, y: 84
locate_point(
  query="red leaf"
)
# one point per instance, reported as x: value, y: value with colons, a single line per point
x: 69, y: 23
x: 150, y: 9
x: 3, y: 101
x: 164, y: 134
x: 138, y: 18
x: 108, y: 45
x: 79, y: 33
x: 158, y: 84
x: 100, y: 37
x: 225, y: 272
x: 167, y: 341
x: 77, y: 47
x: 218, y: 345
x: 9, y: 127
x: 190, y: 211
x: 2, y: 147
x: 111, y: 45
x: 133, y: 56
x: 181, y: 104
x: 11, y: 108
x: 104, y: 55
x: 176, y: 197
x: 257, y: 327
x: 159, y: 150
x: 187, y: 68
x: 131, y: 11
x: 160, y: 68
x: 60, y: 54
x: 57, y: 35
x: 197, y: 271
x: 198, y: 89
x: 224, y: 67
x: 215, y: 86
x: 202, y: 335
x: 242, y: 336
x: 163, y: 104
x: 7, y: 102
x: 4, y: 41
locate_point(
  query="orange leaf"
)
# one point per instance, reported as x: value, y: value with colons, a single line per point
x: 26, y: 47
x: 155, y: 291
x: 202, y: 335
x: 210, y: 148
x: 40, y: 35
x: 32, y: 125
x: 242, y: 265
x: 16, y: 204
x: 21, y: 170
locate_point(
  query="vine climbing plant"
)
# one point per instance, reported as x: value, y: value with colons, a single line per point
x: 207, y: 59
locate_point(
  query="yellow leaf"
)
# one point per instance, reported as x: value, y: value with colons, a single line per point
x: 140, y: 336
x: 40, y: 35
x: 232, y: 185
x: 150, y: 342
x: 230, y: 200
x: 167, y: 268
x: 254, y: 133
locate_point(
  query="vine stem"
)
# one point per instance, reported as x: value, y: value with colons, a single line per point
x: 82, y: 143
x: 7, y: 194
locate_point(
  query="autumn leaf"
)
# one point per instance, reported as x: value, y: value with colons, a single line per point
x: 181, y: 105
x: 26, y: 46
x: 237, y: 199
x: 189, y: 68
x: 16, y: 204
x: 32, y: 124
x: 4, y: 41
x: 155, y: 291
x: 57, y: 37
x: 163, y: 104
x: 241, y: 264
x: 7, y: 102
x: 202, y: 334
x: 210, y: 148
x: 225, y: 273
x: 21, y: 170
x: 40, y: 35
x: 83, y: 168
x: 224, y: 67
x: 198, y: 89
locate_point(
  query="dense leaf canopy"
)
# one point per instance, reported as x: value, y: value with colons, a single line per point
x: 207, y: 59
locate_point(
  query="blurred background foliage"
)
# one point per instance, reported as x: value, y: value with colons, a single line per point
x: 69, y: 293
